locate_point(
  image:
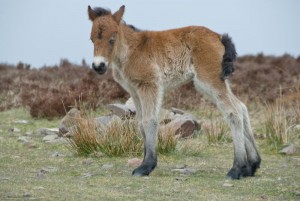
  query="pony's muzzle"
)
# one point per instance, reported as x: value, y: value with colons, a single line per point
x: 101, y: 68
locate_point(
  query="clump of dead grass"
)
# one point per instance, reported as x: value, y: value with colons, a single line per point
x: 117, y: 138
x: 283, y: 121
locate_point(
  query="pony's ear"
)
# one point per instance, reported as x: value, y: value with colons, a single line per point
x: 119, y: 14
x: 91, y: 13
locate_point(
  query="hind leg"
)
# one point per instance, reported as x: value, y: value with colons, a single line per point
x: 232, y: 110
x: 233, y: 114
x: 254, y: 158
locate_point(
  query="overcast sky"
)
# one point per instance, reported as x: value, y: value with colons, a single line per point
x: 41, y: 32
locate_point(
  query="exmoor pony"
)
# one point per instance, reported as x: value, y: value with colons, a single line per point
x: 149, y: 63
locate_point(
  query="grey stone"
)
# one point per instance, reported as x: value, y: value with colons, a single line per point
x: 226, y: 184
x: 57, y: 154
x: 107, y: 166
x: 184, y: 126
x: 290, y: 149
x: 24, y: 139
x: 166, y: 116
x: 68, y: 121
x: 21, y: 121
x: 58, y: 140
x: 14, y: 130
x: 297, y: 192
x: 47, y: 131
x: 28, y: 133
x: 120, y: 110
x: 50, y: 137
x: 130, y: 105
x: 87, y: 161
x: 177, y: 111
x: 185, y: 171
x: 105, y: 120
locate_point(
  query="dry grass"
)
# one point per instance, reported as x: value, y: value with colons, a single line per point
x: 283, y: 121
x: 216, y: 130
x: 117, y: 138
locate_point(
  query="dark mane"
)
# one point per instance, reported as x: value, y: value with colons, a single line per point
x: 101, y: 11
x: 133, y: 27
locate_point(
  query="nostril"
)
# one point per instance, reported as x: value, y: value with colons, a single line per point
x: 93, y: 65
x: 102, y: 65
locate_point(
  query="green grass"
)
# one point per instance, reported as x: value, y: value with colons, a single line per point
x: 33, y: 173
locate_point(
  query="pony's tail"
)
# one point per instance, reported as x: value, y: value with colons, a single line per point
x: 229, y: 57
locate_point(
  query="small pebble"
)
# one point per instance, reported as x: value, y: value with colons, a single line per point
x: 228, y: 185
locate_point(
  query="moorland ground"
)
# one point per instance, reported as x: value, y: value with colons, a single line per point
x: 52, y: 171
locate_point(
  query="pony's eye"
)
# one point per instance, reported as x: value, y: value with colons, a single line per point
x: 112, y: 39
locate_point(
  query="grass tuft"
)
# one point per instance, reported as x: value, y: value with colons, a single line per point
x: 216, y: 130
x: 117, y: 138
x: 282, y: 122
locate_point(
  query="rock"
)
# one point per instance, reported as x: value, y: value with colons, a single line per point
x: 289, y: 150
x: 50, y: 138
x: 57, y: 154
x: 134, y: 162
x: 120, y: 110
x: 14, y: 130
x: 165, y: 116
x: 86, y: 174
x: 107, y: 166
x: 130, y: 105
x: 21, y: 121
x: 49, y: 169
x: 47, y: 131
x: 41, y: 174
x: 226, y: 184
x: 177, y: 111
x: 185, y: 170
x: 27, y: 195
x: 68, y: 121
x: 24, y: 139
x: 297, y: 127
x: 105, y: 120
x: 31, y: 145
x: 181, y: 166
x: 297, y: 192
x: 87, y: 161
x: 4, y: 178
x: 69, y: 134
x: 59, y: 140
x: 184, y: 126
x: 28, y: 133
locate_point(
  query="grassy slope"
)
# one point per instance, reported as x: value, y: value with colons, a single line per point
x: 33, y: 173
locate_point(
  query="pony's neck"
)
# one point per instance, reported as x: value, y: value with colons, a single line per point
x: 127, y: 40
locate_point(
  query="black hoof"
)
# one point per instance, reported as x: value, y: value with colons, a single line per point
x: 254, y: 166
x: 143, y: 170
x: 238, y: 172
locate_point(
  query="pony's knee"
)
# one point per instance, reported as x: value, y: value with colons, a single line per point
x: 150, y: 124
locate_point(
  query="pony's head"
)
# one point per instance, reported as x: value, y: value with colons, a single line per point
x: 103, y: 35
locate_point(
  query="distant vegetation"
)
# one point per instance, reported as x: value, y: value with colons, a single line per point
x: 51, y: 90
